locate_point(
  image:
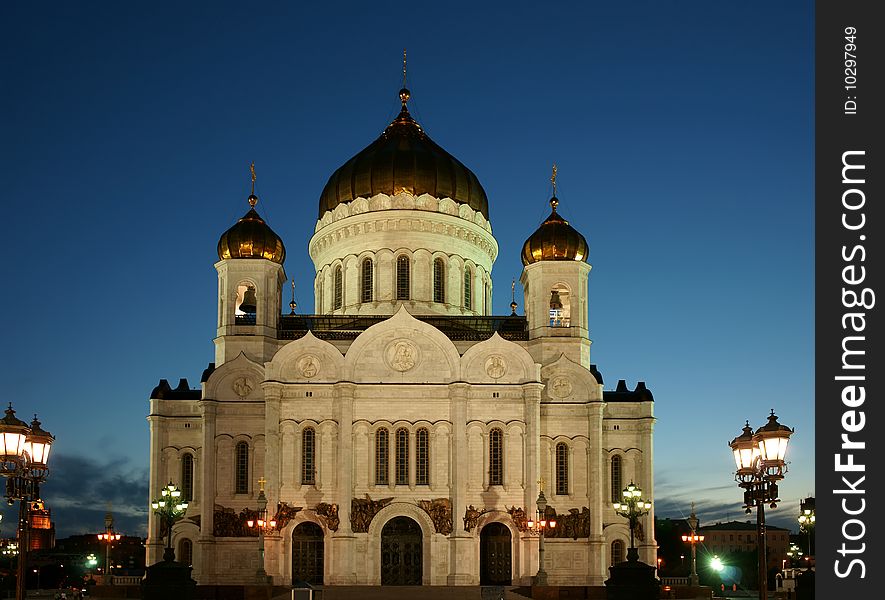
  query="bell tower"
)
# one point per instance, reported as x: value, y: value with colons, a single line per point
x: 554, y: 280
x: 250, y: 281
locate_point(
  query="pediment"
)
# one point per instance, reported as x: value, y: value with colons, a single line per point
x: 568, y: 381
x: 497, y: 360
x: 307, y: 359
x: 237, y: 379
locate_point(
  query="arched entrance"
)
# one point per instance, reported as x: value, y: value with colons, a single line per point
x: 494, y: 555
x: 307, y: 553
x: 401, y: 556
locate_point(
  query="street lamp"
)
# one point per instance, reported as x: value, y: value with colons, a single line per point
x: 539, y: 526
x: 632, y: 507
x: 170, y: 507
x: 693, y: 538
x: 24, y: 452
x: 108, y: 537
x: 806, y: 520
x: 759, y: 458
x: 262, y: 524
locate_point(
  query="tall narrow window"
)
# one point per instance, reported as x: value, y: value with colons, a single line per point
x: 186, y: 552
x: 402, y: 278
x: 308, y: 456
x: 187, y: 477
x: 422, y: 458
x: 617, y: 478
x: 366, y: 280
x: 242, y: 474
x: 402, y: 456
x: 468, y: 289
x: 485, y: 297
x: 338, y: 292
x: 617, y: 553
x: 382, y: 457
x: 496, y: 457
x: 439, y: 280
x: 562, y: 469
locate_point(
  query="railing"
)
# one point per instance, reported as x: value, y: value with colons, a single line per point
x: 127, y: 579
x: 345, y: 327
x: 675, y: 580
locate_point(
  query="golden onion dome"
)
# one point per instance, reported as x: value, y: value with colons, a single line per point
x: 403, y: 159
x: 251, y: 237
x: 555, y: 239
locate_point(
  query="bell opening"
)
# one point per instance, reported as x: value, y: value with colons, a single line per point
x: 560, y: 309
x: 246, y: 300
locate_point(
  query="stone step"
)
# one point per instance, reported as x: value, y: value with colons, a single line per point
x: 423, y: 592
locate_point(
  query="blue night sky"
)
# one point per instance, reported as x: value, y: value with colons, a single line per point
x: 683, y: 134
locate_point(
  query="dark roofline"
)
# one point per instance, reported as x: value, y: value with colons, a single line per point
x: 164, y: 391
x: 622, y: 394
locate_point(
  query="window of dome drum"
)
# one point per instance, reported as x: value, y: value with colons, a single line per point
x: 382, y: 456
x: 402, y: 456
x: 617, y: 483
x: 366, y: 291
x: 242, y: 472
x: 562, y: 469
x: 308, y: 456
x: 468, y: 285
x: 496, y: 457
x: 402, y: 278
x: 439, y: 288
x: 422, y: 458
x: 336, y: 303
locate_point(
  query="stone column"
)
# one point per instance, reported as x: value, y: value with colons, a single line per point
x: 272, y: 475
x: 531, y: 393
x: 154, y: 541
x: 597, y: 491
x: 342, y: 572
x: 209, y: 410
x: 460, y: 542
x: 648, y: 547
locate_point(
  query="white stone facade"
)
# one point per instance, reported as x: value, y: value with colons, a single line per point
x: 447, y: 400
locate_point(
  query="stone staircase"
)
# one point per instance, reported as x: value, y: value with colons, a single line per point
x: 425, y: 592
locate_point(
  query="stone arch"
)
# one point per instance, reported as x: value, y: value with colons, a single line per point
x: 237, y: 379
x: 497, y: 360
x: 568, y: 381
x: 386, y: 514
x: 306, y: 360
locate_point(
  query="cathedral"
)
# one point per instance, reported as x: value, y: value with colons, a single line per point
x: 401, y: 434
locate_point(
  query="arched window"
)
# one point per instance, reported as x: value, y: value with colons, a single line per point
x: 617, y: 478
x: 382, y: 457
x: 319, y: 294
x: 485, y: 297
x: 337, y: 292
x: 617, y: 552
x: 402, y: 277
x: 402, y: 456
x: 468, y: 288
x: 187, y: 477
x: 246, y: 303
x: 241, y: 485
x: 496, y: 457
x: 560, y: 307
x: 562, y: 469
x: 366, y: 280
x: 186, y: 552
x: 439, y: 280
x: 422, y: 458
x: 308, y: 456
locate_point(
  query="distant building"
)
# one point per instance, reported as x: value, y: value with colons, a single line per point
x: 41, y: 534
x: 741, y: 536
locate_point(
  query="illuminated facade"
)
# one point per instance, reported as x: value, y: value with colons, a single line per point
x: 402, y: 430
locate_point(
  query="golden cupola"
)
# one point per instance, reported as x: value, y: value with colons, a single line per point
x: 403, y: 159
x: 251, y: 237
x: 555, y: 239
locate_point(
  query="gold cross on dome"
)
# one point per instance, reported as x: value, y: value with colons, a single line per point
x: 553, y: 179
x: 404, y: 67
x: 261, y: 482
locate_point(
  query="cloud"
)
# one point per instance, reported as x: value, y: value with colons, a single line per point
x: 80, y: 490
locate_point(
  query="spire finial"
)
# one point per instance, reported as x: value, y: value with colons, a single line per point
x: 513, y: 304
x: 253, y: 199
x: 404, y: 93
x: 404, y: 67
x: 553, y: 179
x: 292, y: 304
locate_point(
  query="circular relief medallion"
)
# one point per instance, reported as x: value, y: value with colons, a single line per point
x: 242, y: 386
x: 401, y: 355
x: 560, y: 387
x: 495, y: 366
x: 308, y: 366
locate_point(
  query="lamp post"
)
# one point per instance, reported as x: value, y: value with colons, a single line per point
x: 806, y: 520
x: 169, y: 507
x: 24, y: 452
x: 538, y: 527
x: 108, y: 537
x: 693, y: 538
x: 759, y: 458
x: 632, y: 507
x: 262, y: 524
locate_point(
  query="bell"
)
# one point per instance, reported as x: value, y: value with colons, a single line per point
x: 249, y: 301
x: 555, y: 302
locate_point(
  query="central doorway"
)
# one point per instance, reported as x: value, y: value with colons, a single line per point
x: 494, y: 555
x: 307, y: 554
x: 401, y: 556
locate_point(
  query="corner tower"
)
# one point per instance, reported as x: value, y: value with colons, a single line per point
x: 250, y: 280
x: 554, y: 280
x: 403, y: 223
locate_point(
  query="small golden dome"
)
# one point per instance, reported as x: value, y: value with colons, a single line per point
x: 403, y: 159
x: 251, y: 237
x: 555, y: 239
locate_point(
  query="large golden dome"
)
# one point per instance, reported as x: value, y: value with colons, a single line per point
x: 555, y: 239
x: 251, y: 237
x: 404, y: 158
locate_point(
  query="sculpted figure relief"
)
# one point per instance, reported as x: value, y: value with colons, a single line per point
x: 363, y: 510
x: 402, y: 355
x: 471, y: 516
x: 330, y: 512
x: 227, y: 523
x: 440, y: 511
x: 561, y: 387
x: 285, y: 513
x: 242, y: 386
x: 308, y: 366
x: 495, y: 367
x: 519, y: 518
